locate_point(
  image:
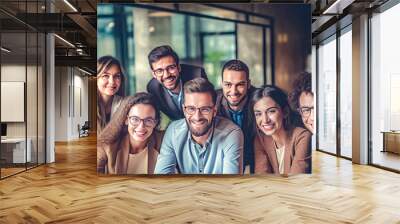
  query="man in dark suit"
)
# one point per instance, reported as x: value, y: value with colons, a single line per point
x: 168, y: 79
x: 233, y: 103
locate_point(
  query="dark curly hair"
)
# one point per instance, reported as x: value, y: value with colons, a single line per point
x: 301, y: 84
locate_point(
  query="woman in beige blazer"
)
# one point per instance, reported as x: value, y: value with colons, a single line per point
x: 279, y: 147
x: 110, y: 89
x: 130, y: 143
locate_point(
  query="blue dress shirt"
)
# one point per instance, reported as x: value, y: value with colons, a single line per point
x: 221, y: 154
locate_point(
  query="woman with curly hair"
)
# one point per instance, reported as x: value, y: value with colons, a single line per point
x: 110, y: 89
x: 302, y: 100
x: 279, y: 146
x: 130, y: 143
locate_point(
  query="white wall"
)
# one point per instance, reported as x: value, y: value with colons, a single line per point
x: 71, y: 103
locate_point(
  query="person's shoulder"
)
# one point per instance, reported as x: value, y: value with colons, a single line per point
x: 178, y: 125
x: 189, y: 72
x: 153, y: 85
x: 225, y: 125
x: 220, y: 96
x: 299, y: 132
x: 251, y: 90
x: 118, y: 98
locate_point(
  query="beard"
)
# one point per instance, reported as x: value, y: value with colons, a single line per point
x: 235, y: 104
x: 201, y: 132
x: 176, y: 82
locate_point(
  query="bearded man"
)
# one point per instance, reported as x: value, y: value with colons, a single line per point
x: 202, y: 142
x: 233, y: 104
x: 169, y: 76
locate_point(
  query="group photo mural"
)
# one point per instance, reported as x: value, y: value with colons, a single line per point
x: 190, y: 88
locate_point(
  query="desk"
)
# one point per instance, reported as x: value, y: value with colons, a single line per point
x: 391, y: 141
x: 13, y: 150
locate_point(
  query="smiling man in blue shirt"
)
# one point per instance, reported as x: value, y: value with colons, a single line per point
x: 201, y: 143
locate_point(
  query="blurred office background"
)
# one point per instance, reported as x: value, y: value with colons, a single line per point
x: 276, y: 47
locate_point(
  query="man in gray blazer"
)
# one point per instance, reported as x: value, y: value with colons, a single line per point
x: 168, y: 79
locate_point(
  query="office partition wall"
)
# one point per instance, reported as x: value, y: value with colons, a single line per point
x: 22, y: 76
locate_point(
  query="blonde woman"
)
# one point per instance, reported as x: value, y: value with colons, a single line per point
x: 130, y: 143
x: 110, y: 89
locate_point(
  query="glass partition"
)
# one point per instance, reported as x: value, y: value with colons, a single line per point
x: 13, y: 96
x: 327, y: 96
x: 22, y: 90
x: 385, y: 89
x: 346, y: 93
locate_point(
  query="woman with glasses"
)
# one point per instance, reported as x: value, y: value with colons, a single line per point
x: 130, y: 143
x: 279, y: 146
x: 302, y: 100
x: 110, y: 89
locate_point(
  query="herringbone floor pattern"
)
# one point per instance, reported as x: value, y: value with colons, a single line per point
x: 70, y: 191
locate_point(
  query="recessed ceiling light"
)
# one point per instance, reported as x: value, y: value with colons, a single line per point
x: 5, y: 50
x: 65, y: 41
x: 70, y: 5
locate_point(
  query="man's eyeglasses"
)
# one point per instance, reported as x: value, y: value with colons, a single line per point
x: 170, y: 69
x: 148, y: 122
x: 305, y: 111
x: 203, y: 110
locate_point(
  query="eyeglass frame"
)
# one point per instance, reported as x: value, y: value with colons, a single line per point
x: 302, y: 113
x: 199, y: 109
x: 142, y: 120
x: 162, y: 70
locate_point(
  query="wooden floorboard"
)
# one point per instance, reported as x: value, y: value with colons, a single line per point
x: 70, y: 191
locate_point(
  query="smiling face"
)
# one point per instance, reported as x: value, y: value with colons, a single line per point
x: 269, y: 116
x: 199, y: 112
x: 139, y: 115
x: 306, y: 106
x: 109, y: 82
x: 234, y: 86
x: 166, y: 71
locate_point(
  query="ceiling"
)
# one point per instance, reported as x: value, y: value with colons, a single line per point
x: 74, y: 22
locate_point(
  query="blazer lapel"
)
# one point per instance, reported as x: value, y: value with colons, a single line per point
x: 121, y: 164
x: 288, y: 154
x: 270, y: 149
x: 169, y: 102
x: 225, y: 108
x: 152, y: 159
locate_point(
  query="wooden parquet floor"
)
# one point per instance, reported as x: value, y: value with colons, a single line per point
x: 70, y: 191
